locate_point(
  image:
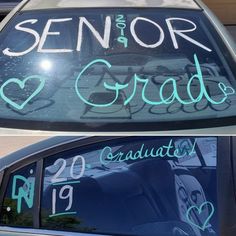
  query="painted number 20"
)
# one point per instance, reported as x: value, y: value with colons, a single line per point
x: 65, y: 192
x: 56, y: 178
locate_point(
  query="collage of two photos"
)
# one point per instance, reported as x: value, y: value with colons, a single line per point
x: 118, y: 117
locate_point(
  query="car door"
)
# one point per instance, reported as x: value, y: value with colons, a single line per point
x: 20, y: 187
x: 121, y: 186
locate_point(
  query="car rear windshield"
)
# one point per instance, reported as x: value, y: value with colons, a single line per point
x: 114, y: 69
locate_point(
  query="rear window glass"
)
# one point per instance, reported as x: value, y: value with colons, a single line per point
x: 106, y: 69
x: 138, y: 186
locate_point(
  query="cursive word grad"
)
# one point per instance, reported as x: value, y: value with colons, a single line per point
x: 226, y: 91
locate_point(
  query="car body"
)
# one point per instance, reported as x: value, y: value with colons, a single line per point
x: 120, y: 186
x: 6, y: 7
x: 93, y: 77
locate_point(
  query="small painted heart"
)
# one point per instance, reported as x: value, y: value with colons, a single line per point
x: 227, y: 90
x: 41, y: 80
x: 194, y: 209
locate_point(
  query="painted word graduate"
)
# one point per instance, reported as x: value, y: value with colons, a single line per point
x: 166, y: 151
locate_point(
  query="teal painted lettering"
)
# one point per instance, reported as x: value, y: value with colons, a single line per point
x: 226, y: 90
x: 168, y: 148
x: 129, y: 155
x: 123, y: 40
x: 21, y: 193
x: 138, y: 154
x: 66, y: 182
x: 147, y: 153
x: 186, y: 146
x: 79, y: 77
x: 121, y: 158
x: 120, y: 18
x: 175, y: 96
x: 168, y: 151
x: 185, y: 149
x: 136, y: 80
x: 151, y: 153
x: 121, y: 25
x: 106, y: 155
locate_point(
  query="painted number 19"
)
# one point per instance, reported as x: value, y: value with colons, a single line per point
x: 66, y: 191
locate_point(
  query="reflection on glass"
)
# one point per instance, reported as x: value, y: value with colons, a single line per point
x: 46, y: 65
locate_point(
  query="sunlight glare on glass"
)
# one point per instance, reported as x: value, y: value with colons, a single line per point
x: 46, y: 65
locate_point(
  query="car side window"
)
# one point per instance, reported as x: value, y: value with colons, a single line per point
x: 132, y: 186
x: 17, y: 209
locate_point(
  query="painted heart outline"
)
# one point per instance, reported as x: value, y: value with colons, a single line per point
x: 199, y: 210
x: 227, y: 90
x: 21, y: 84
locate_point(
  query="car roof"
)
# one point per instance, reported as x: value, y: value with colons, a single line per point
x: 36, y: 148
x: 58, y: 4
